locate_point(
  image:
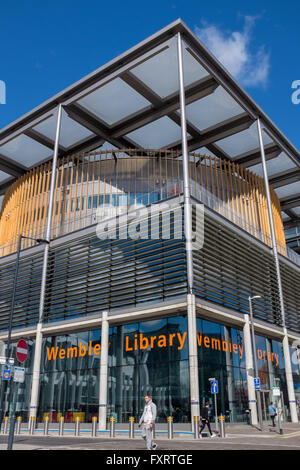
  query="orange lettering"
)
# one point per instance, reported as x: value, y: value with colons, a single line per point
x: 52, y: 353
x: 135, y: 342
x: 162, y: 343
x: 181, y: 340
x: 171, y: 336
x: 199, y: 338
x: 82, y: 350
x: 144, y: 342
x: 127, y: 348
x: 72, y: 352
x: 259, y: 354
x: 62, y: 353
x: 224, y: 345
x: 215, y: 344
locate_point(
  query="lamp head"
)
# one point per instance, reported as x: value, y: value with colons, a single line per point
x: 255, y: 297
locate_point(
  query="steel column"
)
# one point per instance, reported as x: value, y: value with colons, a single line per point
x: 285, y: 344
x: 39, y: 335
x: 191, y: 304
x: 103, y: 372
x: 250, y: 370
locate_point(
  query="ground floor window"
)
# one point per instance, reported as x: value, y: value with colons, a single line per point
x: 150, y: 357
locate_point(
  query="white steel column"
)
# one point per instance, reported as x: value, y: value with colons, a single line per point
x: 39, y: 334
x: 289, y: 377
x: 230, y: 377
x: 285, y: 344
x: 103, y: 372
x: 250, y: 371
x: 191, y: 304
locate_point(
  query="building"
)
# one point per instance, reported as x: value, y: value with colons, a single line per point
x: 151, y: 198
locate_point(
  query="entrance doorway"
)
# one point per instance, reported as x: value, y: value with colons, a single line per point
x: 266, y: 398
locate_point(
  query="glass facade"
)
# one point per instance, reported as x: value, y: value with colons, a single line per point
x: 151, y: 356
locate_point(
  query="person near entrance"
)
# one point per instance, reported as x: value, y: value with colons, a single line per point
x: 205, y: 420
x: 147, y: 422
x: 272, y: 413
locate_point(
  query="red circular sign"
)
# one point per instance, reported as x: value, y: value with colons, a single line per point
x: 22, y: 350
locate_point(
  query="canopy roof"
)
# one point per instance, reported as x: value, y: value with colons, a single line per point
x: 133, y: 102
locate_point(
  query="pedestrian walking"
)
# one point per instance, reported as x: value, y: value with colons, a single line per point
x: 205, y: 420
x: 272, y: 413
x: 147, y: 422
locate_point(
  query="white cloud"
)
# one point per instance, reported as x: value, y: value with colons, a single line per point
x: 233, y: 50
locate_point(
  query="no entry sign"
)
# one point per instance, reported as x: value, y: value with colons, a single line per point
x: 22, y: 350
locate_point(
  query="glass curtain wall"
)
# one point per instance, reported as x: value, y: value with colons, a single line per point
x: 151, y: 357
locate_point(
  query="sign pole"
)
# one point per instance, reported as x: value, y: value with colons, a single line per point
x: 8, y: 346
x: 19, y: 376
x: 216, y: 413
x: 13, y: 417
x: 214, y: 391
x: 254, y: 352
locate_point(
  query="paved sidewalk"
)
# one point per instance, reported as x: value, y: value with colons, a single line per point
x: 238, y: 437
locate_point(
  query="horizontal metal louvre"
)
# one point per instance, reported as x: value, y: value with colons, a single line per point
x: 229, y: 268
x: 290, y: 279
x: 88, y: 275
x: 91, y: 275
x: 27, y: 293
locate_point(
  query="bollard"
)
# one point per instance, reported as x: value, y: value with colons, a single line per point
x: 5, y: 428
x: 61, y: 426
x: 153, y: 432
x: 112, y: 426
x: 131, y: 427
x: 77, y: 426
x: 32, y: 425
x: 248, y: 416
x: 196, y: 427
x: 170, y: 427
x: 94, y: 426
x: 222, y: 426
x: 18, y: 427
x: 46, y: 425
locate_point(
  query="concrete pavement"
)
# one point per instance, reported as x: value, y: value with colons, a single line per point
x: 238, y: 437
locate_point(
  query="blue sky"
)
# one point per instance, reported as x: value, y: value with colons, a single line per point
x: 47, y: 46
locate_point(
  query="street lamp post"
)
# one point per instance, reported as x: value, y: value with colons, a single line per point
x: 258, y: 398
x: 8, y: 348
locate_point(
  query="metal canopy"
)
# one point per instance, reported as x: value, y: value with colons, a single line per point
x: 133, y: 101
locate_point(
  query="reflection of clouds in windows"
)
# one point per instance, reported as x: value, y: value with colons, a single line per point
x: 152, y: 325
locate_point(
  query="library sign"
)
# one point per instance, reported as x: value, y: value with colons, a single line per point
x: 173, y: 340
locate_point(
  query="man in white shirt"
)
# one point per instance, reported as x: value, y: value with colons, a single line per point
x: 147, y: 422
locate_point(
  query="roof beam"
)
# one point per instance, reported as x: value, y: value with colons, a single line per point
x: 220, y: 131
x: 85, y: 146
x: 84, y: 118
x: 160, y: 107
x: 253, y: 157
x: 290, y: 202
x: 10, y: 167
x: 292, y: 223
x: 43, y: 140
